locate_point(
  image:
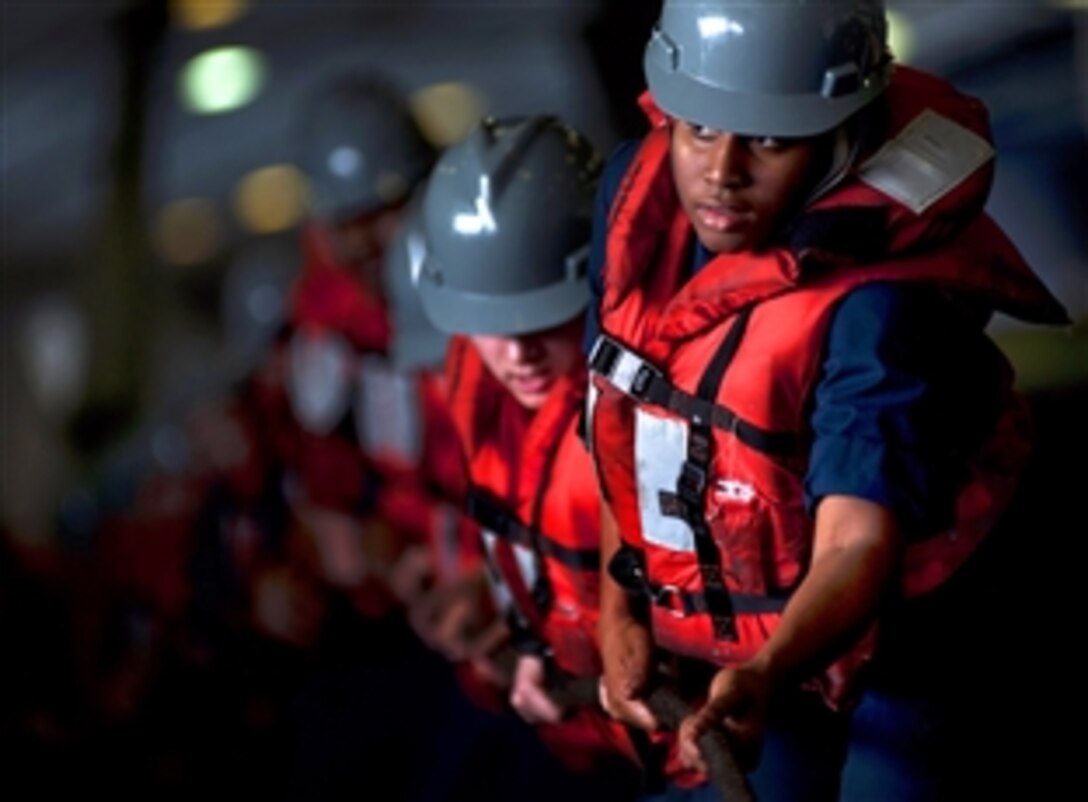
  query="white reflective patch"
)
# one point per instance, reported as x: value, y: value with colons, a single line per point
x: 930, y: 157
x: 500, y: 594
x: 623, y: 372
x: 526, y: 565
x: 733, y: 490
x: 661, y: 446
x: 318, y: 380
x: 388, y: 418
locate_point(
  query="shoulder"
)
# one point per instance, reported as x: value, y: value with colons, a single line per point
x: 619, y: 160
x: 910, y: 383
x: 908, y: 322
x: 884, y: 304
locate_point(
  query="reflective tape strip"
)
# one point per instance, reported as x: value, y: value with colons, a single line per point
x: 319, y: 378
x: 388, y: 417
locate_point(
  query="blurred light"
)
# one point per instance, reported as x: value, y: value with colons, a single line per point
x: 271, y: 199
x: 53, y: 341
x: 222, y: 79
x: 188, y: 232
x: 200, y: 15
x: 1047, y: 358
x: 900, y: 36
x: 345, y: 161
x: 447, y: 112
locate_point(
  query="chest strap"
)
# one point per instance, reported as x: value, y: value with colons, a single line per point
x: 490, y: 513
x: 636, y: 377
x: 494, y: 516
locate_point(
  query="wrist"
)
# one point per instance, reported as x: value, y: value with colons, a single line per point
x: 769, y: 667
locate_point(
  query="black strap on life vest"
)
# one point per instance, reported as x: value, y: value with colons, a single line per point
x: 650, y: 386
x: 691, y: 486
x: 493, y: 515
x: 628, y: 570
x: 515, y: 617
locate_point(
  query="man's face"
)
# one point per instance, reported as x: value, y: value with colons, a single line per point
x: 737, y: 190
x: 359, y: 243
x: 528, y: 365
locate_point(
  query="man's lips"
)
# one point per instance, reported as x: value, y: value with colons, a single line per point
x: 723, y: 218
x: 530, y: 382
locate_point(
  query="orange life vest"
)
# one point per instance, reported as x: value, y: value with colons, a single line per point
x: 329, y: 305
x: 411, y: 443
x: 702, y: 386
x: 533, y: 492
x: 534, y: 496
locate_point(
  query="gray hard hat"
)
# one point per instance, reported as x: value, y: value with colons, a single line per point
x: 360, y: 146
x: 416, y: 343
x: 506, y: 216
x: 786, y: 68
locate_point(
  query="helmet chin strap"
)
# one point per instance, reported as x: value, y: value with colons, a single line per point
x: 849, y: 140
x: 844, y: 151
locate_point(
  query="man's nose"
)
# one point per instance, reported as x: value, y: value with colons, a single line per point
x: 524, y: 348
x: 727, y: 161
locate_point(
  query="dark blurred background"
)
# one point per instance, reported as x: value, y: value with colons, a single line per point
x: 150, y: 206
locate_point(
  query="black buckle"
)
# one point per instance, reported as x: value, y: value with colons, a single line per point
x: 644, y: 378
x: 670, y: 504
x: 699, y: 446
x: 691, y: 483
x: 671, y: 600
x: 542, y: 592
x: 625, y: 568
x: 604, y: 356
x: 725, y: 627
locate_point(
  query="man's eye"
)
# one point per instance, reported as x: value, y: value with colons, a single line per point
x: 703, y: 132
x: 768, y: 142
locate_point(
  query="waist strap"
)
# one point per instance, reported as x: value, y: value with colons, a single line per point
x: 626, y: 567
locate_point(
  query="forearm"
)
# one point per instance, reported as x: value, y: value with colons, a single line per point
x: 614, y: 602
x: 855, y: 555
x: 626, y: 645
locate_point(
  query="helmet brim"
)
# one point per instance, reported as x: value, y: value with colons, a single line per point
x: 458, y: 312
x: 787, y: 116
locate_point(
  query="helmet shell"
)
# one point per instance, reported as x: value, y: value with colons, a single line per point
x: 416, y: 344
x: 361, y: 148
x: 783, y: 68
x: 506, y: 216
